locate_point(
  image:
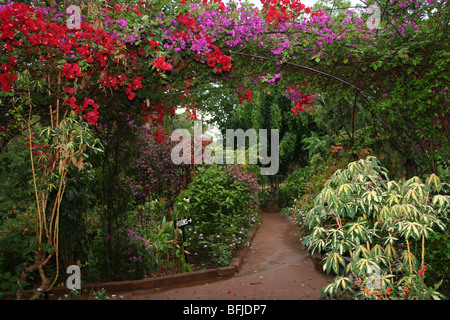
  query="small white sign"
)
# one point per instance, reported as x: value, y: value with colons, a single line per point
x: 184, y: 222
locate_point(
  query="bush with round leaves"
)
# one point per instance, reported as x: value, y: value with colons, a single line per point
x: 222, y: 205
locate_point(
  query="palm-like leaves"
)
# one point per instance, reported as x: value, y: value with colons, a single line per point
x: 362, y: 215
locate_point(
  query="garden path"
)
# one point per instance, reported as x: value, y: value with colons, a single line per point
x: 276, y: 268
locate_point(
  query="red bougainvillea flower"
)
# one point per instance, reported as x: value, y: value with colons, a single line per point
x: 296, y: 108
x: 5, y: 67
x: 188, y: 20
x: 12, y: 61
x: 137, y: 83
x: 89, y: 103
x: 49, y: 40
x: 217, y: 57
x: 161, y: 64
x: 279, y: 10
x: 91, y: 116
x: 153, y: 44
x: 72, y: 103
x: 317, y: 13
x: 247, y: 96
x: 422, y: 271
x: 131, y: 95
x: 69, y: 71
x: 159, y: 136
x: 304, y: 103
x: 5, y: 81
x: 155, y: 113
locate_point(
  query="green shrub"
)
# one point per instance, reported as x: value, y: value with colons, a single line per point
x: 222, y: 202
x: 438, y: 252
x: 301, y: 187
x: 363, y: 223
x: 294, y: 185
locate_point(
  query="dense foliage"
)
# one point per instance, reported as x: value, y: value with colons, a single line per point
x: 222, y: 203
x: 88, y: 103
x: 362, y: 221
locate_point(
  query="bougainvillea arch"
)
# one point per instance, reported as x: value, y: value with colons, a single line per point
x: 146, y: 59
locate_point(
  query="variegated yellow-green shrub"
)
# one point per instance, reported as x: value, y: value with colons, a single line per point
x: 366, y: 227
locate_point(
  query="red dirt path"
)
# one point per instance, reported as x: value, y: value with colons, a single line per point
x: 276, y: 268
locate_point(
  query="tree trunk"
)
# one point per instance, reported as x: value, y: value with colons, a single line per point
x: 40, y: 260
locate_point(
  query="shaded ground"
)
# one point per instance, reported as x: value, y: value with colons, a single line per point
x: 276, y: 268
